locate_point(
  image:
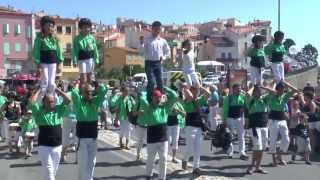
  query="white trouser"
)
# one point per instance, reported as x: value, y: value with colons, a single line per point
x: 256, y: 75
x: 173, y: 136
x: 192, y: 79
x: 5, y: 129
x: 194, y: 143
x: 69, y: 131
x: 260, y: 140
x: 50, y: 159
x: 141, y: 134
x: 86, y: 66
x: 277, y: 127
x: 162, y: 149
x: 87, y: 158
x: 125, y: 129
x: 278, y: 71
x: 213, y: 116
x: 238, y: 125
x: 48, y: 77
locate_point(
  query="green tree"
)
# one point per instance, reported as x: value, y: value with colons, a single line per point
x: 288, y: 43
x: 116, y: 73
x: 310, y: 51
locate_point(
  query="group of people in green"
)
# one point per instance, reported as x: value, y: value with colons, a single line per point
x: 157, y: 114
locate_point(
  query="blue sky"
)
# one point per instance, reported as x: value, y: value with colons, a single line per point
x: 299, y: 17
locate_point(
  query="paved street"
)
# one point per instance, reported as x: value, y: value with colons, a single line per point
x: 113, y: 163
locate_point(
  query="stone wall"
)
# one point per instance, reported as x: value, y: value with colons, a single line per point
x: 300, y: 80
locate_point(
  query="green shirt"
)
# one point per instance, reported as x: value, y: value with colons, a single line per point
x: 158, y: 114
x: 112, y: 100
x: 88, y: 111
x: 232, y: 100
x: 257, y: 56
x: 87, y: 42
x: 122, y: 105
x: 257, y: 105
x: 180, y: 116
x: 278, y: 103
x: 190, y: 107
x: 28, y: 125
x: 45, y: 44
x: 3, y: 100
x: 275, y: 48
x: 50, y: 118
x: 142, y: 118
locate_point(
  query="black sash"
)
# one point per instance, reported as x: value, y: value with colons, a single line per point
x: 257, y: 61
x: 277, y: 115
x: 235, y: 111
x: 277, y: 57
x: 157, y: 133
x: 172, y: 120
x: 87, y: 129
x: 50, y: 135
x: 85, y: 54
x: 259, y: 119
x: 48, y: 57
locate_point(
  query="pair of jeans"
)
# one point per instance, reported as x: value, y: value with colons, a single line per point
x: 154, y: 75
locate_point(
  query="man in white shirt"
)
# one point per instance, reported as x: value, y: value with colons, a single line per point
x: 155, y: 49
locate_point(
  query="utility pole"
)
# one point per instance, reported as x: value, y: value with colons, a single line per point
x: 279, y: 14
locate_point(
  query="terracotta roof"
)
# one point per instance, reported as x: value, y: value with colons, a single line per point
x: 6, y: 11
x: 221, y: 41
x: 260, y: 23
x: 241, y: 29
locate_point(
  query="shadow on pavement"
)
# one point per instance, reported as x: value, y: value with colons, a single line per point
x: 124, y: 164
x: 25, y: 165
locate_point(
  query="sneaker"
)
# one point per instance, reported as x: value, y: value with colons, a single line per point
x: 308, y: 162
x: 244, y: 157
x: 174, y: 161
x: 196, y: 172
x: 184, y: 165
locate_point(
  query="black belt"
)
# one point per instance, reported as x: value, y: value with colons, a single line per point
x: 194, y: 119
x: 87, y: 129
x: 257, y: 61
x: 50, y: 135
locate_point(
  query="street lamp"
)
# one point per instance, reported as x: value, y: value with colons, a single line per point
x: 279, y: 13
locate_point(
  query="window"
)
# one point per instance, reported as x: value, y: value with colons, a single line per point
x: 17, y: 29
x: 67, y: 62
x: 17, y: 47
x: 245, y: 46
x: 6, y: 48
x: 28, y: 47
x: 223, y: 55
x: 59, y: 29
x: 29, y: 32
x: 229, y: 55
x: 68, y: 30
x: 264, y: 32
x: 68, y: 47
x: 6, y: 29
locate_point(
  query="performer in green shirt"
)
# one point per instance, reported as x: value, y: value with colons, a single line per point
x: 258, y: 120
x: 277, y: 103
x: 276, y: 51
x: 49, y: 117
x: 84, y: 51
x: 28, y: 127
x: 233, y: 115
x: 47, y: 54
x: 86, y: 107
x: 257, y: 62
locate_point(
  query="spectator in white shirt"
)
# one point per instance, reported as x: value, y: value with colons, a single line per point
x: 155, y: 49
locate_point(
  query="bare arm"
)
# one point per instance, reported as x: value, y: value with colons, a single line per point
x: 206, y: 92
x: 35, y: 96
x: 66, y: 98
x: 269, y: 89
x: 294, y: 89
